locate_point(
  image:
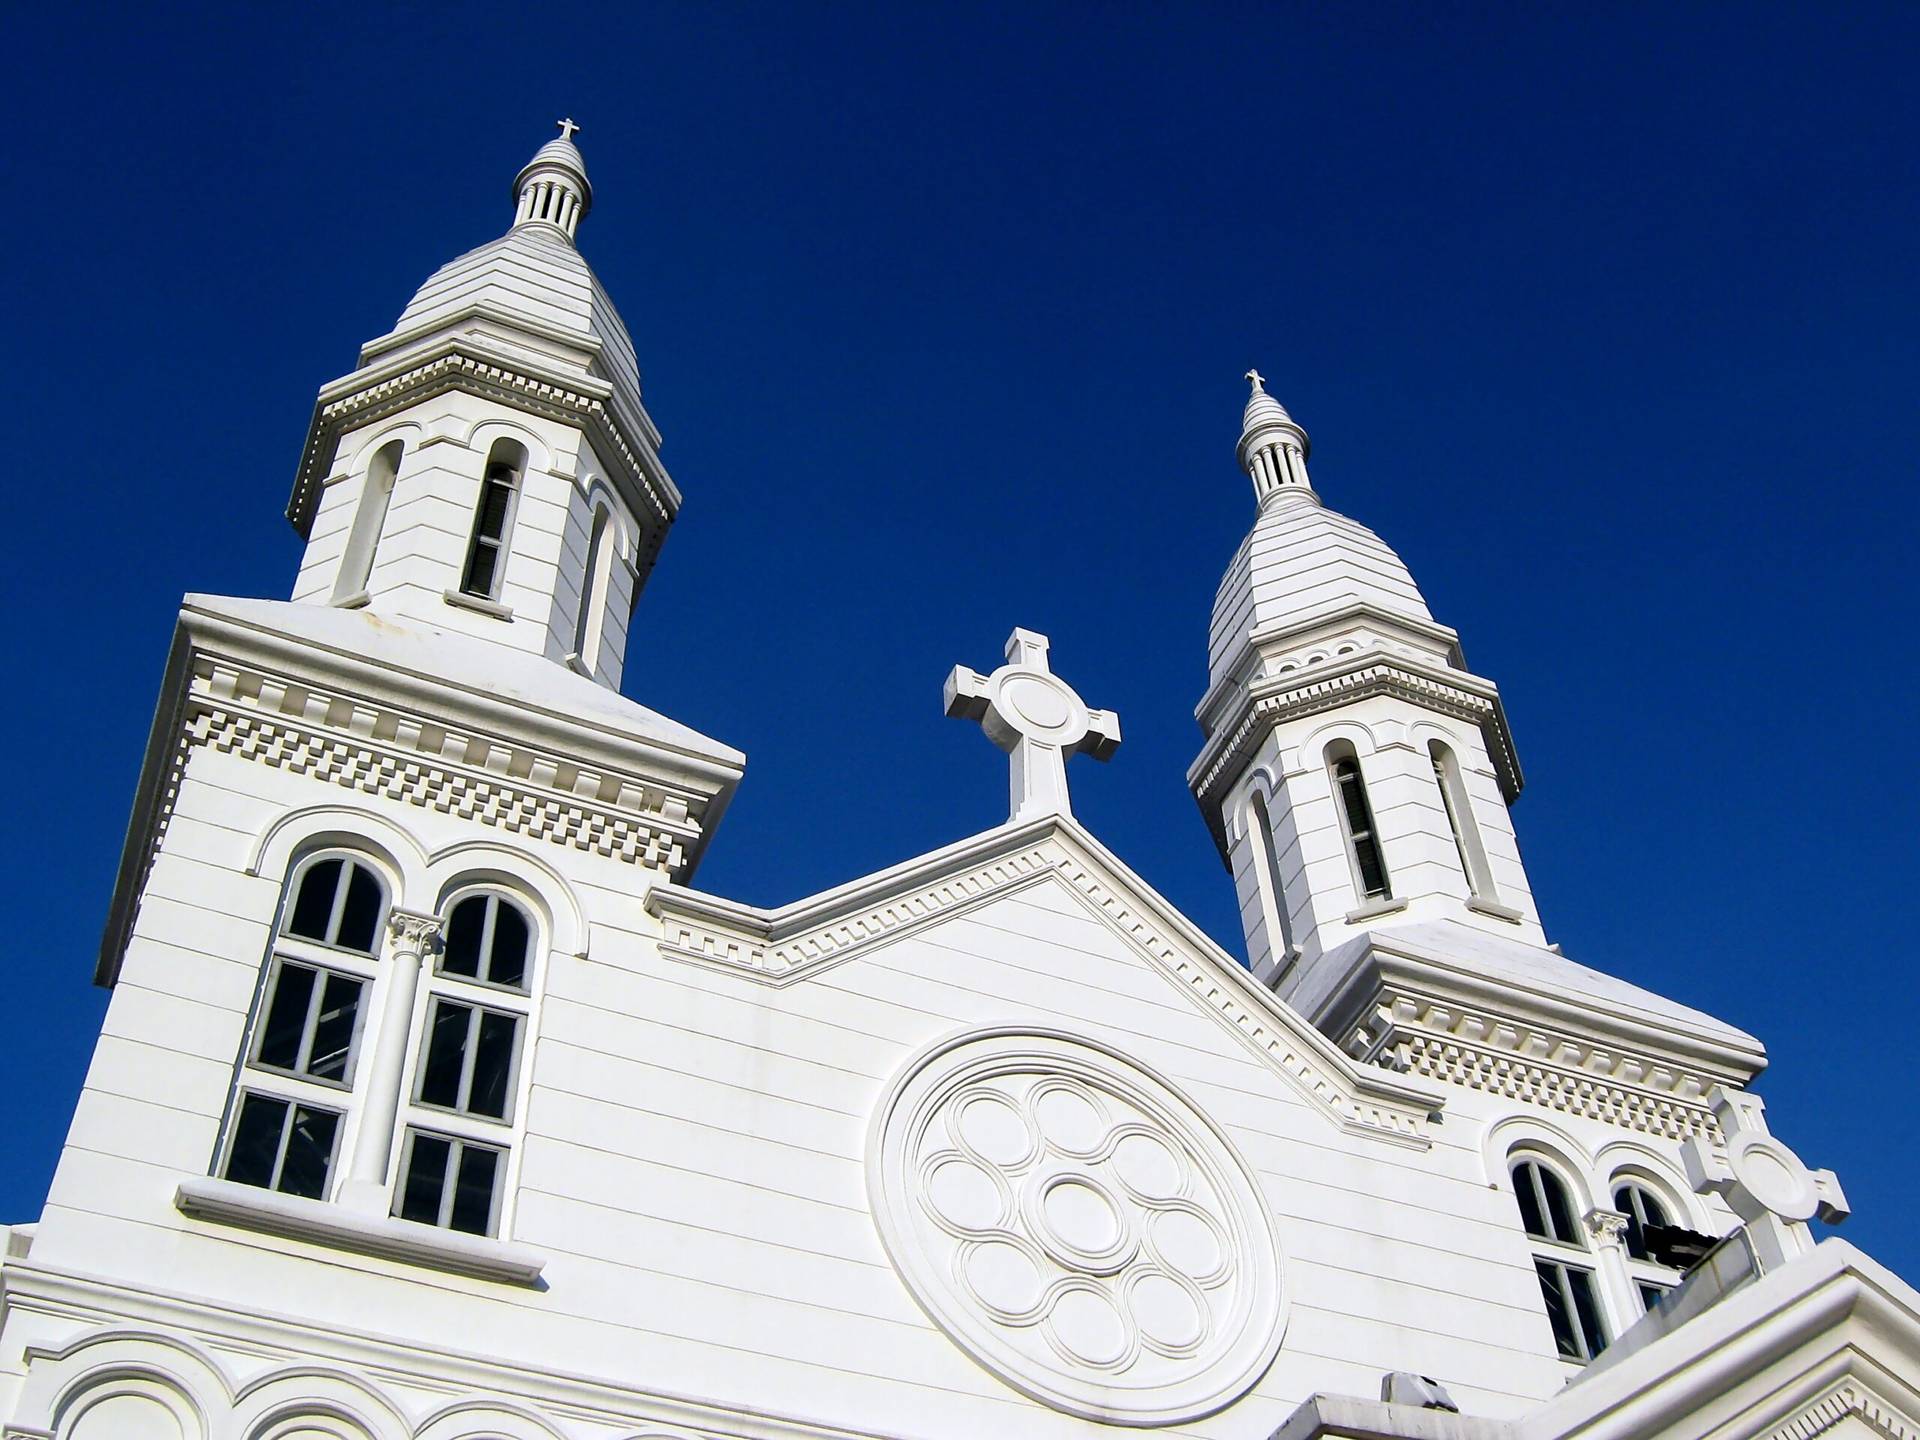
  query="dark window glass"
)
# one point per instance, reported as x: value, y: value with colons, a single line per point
x: 332, y: 1048
x: 278, y: 1145
x: 1545, y: 1208
x: 1586, y: 1309
x: 492, y: 1064
x: 1366, y: 846
x: 1651, y: 1296
x: 466, y: 927
x: 1559, y: 1208
x: 489, y: 530
x: 426, y: 1179
x: 256, y: 1141
x: 322, y: 912
x: 507, y: 959
x: 309, y: 1152
x: 1571, y: 1309
x: 360, y: 918
x: 473, y: 1196
x: 286, y: 1023
x: 1524, y: 1190
x: 446, y: 1054
x: 1642, y: 1209
x: 313, y: 906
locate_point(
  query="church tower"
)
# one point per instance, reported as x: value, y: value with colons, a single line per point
x: 489, y: 466
x: 1355, y: 773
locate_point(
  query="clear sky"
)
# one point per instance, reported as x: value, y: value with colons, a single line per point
x: 1604, y: 316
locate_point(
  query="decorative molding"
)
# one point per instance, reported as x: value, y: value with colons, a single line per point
x: 1607, y: 1227
x: 413, y: 933
x: 322, y: 1224
x: 790, y: 945
x: 1498, y: 1064
x: 1273, y: 701
x: 1077, y: 1226
x: 457, y: 363
x: 1849, y: 1397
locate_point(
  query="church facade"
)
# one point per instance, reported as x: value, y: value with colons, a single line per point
x: 433, y: 1101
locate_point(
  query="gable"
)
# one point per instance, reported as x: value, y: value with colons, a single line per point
x: 1066, y: 932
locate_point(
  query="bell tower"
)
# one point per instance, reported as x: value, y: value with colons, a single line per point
x: 488, y: 467
x: 1355, y: 773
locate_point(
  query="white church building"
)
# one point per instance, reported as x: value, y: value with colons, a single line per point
x: 436, y: 1102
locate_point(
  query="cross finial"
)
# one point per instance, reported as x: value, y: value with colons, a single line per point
x: 1259, y: 380
x: 1764, y: 1182
x: 1035, y: 717
x: 567, y: 128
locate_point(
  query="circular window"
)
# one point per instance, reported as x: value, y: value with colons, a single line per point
x: 1077, y: 1226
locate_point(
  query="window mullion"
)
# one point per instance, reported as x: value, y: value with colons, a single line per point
x: 455, y: 1150
x: 483, y: 963
x: 287, y: 1118
x: 468, y: 1055
x: 303, y: 1057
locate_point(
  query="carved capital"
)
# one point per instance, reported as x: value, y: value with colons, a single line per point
x: 1608, y: 1227
x: 413, y: 933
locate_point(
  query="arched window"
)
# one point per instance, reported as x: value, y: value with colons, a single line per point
x: 493, y: 520
x: 454, y: 1155
x: 593, y: 590
x: 1567, y: 1288
x: 369, y: 518
x: 1466, y: 835
x: 1356, y: 823
x: 1651, y: 1279
x: 298, y: 1067
x: 1273, y: 892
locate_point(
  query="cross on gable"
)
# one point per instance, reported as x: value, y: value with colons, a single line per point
x: 567, y: 128
x: 1764, y: 1182
x: 1256, y: 377
x: 1035, y: 717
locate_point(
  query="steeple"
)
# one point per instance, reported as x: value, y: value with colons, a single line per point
x: 552, y: 188
x: 489, y: 466
x: 1273, y: 449
x: 1355, y: 774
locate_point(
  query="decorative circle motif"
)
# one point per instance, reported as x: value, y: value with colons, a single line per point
x: 1077, y: 1226
x: 1040, y: 705
x: 1774, y: 1175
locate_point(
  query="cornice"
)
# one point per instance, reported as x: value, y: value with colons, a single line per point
x: 1276, y: 699
x: 465, y: 363
x: 799, y: 941
x: 272, y: 700
x: 1565, y: 1052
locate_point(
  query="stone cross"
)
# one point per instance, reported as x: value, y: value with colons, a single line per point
x: 567, y: 128
x: 1764, y: 1182
x: 1255, y: 376
x: 1035, y: 717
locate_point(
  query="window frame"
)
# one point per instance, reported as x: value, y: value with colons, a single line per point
x: 1553, y: 1256
x: 290, y: 895
x: 510, y: 457
x: 1458, y: 805
x: 277, y: 961
x: 499, y: 897
x: 293, y: 1106
x: 1340, y: 758
x: 469, y: 1058
x: 1257, y: 817
x: 369, y: 524
x: 1644, y: 1273
x: 457, y: 1145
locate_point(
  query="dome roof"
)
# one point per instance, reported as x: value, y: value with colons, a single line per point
x: 532, y: 273
x: 1301, y: 561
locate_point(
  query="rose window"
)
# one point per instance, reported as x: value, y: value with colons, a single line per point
x: 1077, y: 1226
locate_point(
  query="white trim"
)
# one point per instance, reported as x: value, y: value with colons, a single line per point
x: 226, y: 1203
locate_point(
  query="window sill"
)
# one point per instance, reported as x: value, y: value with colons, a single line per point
x: 1373, y: 909
x: 251, y: 1208
x: 478, y: 604
x: 574, y: 663
x: 1497, y: 911
x: 358, y: 600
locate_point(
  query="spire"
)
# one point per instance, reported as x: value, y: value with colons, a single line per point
x: 1273, y: 449
x: 552, y: 188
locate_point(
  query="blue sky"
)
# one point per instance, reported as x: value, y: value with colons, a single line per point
x: 1604, y: 317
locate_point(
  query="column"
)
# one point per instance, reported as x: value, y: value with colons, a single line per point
x: 411, y: 935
